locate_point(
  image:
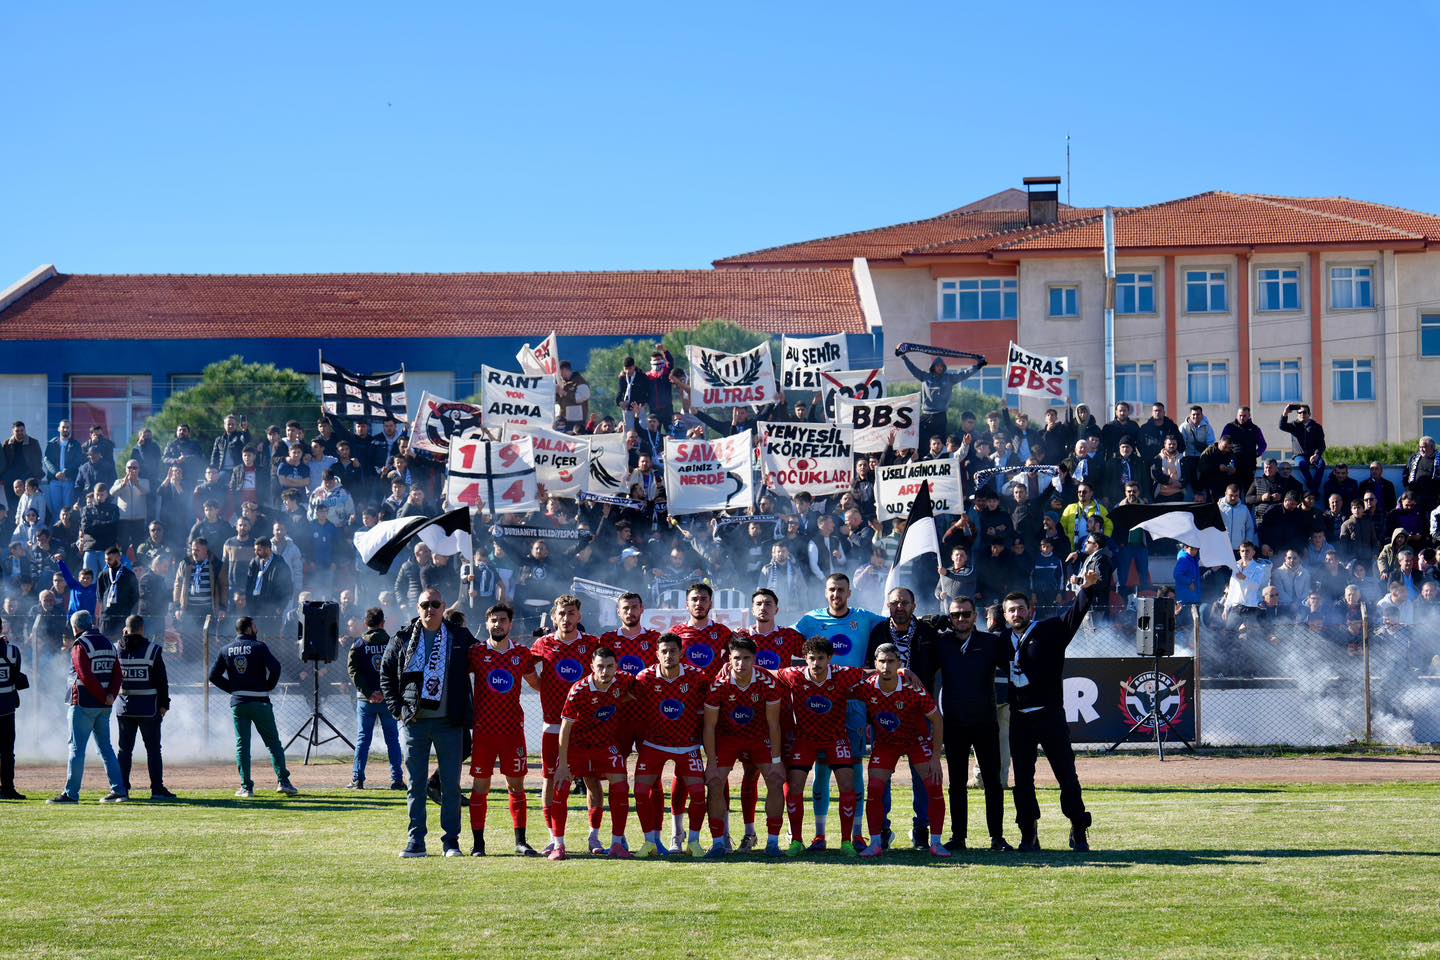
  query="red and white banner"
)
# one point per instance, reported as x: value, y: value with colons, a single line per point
x: 1032, y: 375
x: 562, y: 462
x: 498, y: 476
x: 731, y: 379
x: 850, y: 384
x: 812, y: 457
x: 516, y: 399
x: 542, y: 360
x: 440, y: 421
x: 703, y: 475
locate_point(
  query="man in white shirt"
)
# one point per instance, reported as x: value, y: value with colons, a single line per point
x: 1247, y: 580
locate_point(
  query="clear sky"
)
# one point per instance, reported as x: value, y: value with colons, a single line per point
x: 304, y: 137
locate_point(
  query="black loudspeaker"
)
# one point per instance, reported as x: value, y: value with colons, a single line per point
x: 319, y: 631
x: 1155, y: 626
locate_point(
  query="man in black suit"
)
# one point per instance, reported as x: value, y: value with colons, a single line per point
x: 966, y: 659
x: 1037, y: 710
x: 269, y: 586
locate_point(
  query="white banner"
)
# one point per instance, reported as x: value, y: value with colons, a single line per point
x: 705, y: 475
x: 439, y: 421
x: 813, y: 457
x: 609, y: 463
x: 877, y: 421
x: 851, y: 384
x: 897, y: 485
x: 802, y: 359
x: 517, y: 399
x: 562, y: 462
x: 731, y: 379
x: 498, y: 476
x: 542, y: 360
x: 1031, y: 375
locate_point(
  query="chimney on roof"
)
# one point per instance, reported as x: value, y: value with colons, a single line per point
x: 1042, y: 200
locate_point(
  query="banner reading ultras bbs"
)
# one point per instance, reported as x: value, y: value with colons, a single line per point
x: 814, y: 458
x: 897, y: 485
x: 1032, y: 375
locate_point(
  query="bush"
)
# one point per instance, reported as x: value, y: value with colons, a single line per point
x: 263, y: 392
x: 1386, y: 453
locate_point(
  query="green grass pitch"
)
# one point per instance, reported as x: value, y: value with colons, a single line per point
x: 1252, y: 871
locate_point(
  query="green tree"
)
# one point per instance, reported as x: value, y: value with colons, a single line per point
x: 605, y: 364
x: 262, y: 391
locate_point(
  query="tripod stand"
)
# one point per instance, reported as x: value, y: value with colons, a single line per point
x: 1152, y: 717
x: 310, y: 729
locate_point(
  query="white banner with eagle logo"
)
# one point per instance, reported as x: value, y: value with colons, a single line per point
x: 438, y: 421
x: 609, y: 463
x: 812, y: 457
x: 703, y: 475
x: 562, y: 462
x: 731, y: 379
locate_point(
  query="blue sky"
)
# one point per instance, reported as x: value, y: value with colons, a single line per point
x: 146, y: 138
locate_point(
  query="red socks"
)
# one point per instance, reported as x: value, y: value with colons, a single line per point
x: 479, y: 806
x: 847, y: 814
x: 772, y: 825
x: 517, y: 811
x: 645, y: 807
x: 874, y: 807
x: 597, y: 811
x: 749, y: 794
x: 937, y: 810
x: 560, y: 809
x: 795, y: 807
x: 619, y: 807
x: 696, y: 790
x: 677, y: 797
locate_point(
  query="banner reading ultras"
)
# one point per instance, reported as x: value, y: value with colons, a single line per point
x: 810, y: 457
x: 897, y: 485
x: 1032, y: 375
x: 516, y: 398
x: 731, y: 379
x: 703, y: 475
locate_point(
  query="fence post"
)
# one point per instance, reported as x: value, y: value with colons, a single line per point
x: 204, y: 676
x: 1365, y: 650
x: 1195, y: 679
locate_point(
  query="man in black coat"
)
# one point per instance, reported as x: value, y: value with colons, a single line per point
x: 425, y: 678
x: 1037, y: 711
x: 269, y: 588
x: 966, y: 659
x: 118, y: 591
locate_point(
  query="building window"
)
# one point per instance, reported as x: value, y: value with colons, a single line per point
x: 997, y: 299
x: 1280, y: 288
x: 1135, y: 383
x: 1430, y: 420
x: 1065, y: 301
x: 1430, y: 334
x: 1209, y: 381
x: 1354, y: 379
x: 1350, y: 288
x: 1134, y: 293
x: 992, y: 384
x: 1072, y: 397
x: 120, y: 405
x: 1279, y: 381
x: 1205, y: 291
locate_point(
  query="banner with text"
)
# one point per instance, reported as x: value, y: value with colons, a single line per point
x: 1032, y: 375
x: 542, y: 360
x: 498, y: 476
x: 897, y: 485
x: 1107, y: 696
x: 850, y: 384
x: 516, y: 398
x: 876, y: 422
x: 803, y: 358
x: 705, y: 475
x: 812, y: 457
x: 562, y: 462
x: 731, y: 379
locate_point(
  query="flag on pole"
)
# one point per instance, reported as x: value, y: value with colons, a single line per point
x: 1193, y: 524
x: 917, y: 565
x: 372, y: 396
x: 542, y: 360
x: 445, y: 535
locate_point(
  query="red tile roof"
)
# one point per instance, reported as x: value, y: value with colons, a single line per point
x: 630, y: 303
x: 1206, y: 220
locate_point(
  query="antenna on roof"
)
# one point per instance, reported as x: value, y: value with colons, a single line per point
x: 1067, y: 169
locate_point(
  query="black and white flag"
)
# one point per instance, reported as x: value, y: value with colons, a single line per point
x: 917, y: 565
x: 374, y: 396
x: 445, y: 535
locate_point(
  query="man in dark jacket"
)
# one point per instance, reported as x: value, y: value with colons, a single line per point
x: 966, y: 660
x: 247, y: 670
x: 1154, y: 431
x: 144, y: 701
x: 1122, y: 426
x: 186, y: 454
x: 1249, y: 442
x: 20, y: 459
x: 269, y: 588
x: 63, y: 457
x: 118, y: 591
x: 1036, y: 651
x: 363, y: 663
x: 225, y: 451
x: 425, y: 678
x: 1310, y: 438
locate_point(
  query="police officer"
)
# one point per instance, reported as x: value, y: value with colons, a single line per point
x: 12, y: 681
x: 144, y: 701
x: 364, y: 667
x: 94, y: 685
x: 248, y: 671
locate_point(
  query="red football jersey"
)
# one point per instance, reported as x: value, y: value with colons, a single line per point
x: 742, y: 709
x: 565, y: 664
x: 898, y: 717
x: 774, y: 649
x: 819, y: 708
x: 596, y: 713
x: 704, y: 647
x: 632, y: 653
x: 670, y: 711
x: 498, y: 676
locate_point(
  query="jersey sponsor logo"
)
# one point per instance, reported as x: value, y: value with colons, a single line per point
x: 501, y: 681
x: 700, y: 655
x: 742, y: 716
x: 888, y: 721
x: 605, y: 713
x: 768, y: 659
x: 842, y: 644
x: 569, y: 670
x: 631, y: 664
x: 818, y: 704
x: 672, y: 709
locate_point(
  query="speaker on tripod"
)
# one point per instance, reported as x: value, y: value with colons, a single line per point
x: 319, y: 643
x: 1155, y: 626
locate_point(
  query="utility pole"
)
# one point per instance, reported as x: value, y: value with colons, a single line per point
x: 1110, y: 398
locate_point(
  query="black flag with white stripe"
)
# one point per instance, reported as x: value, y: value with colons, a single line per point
x: 445, y: 535
x: 917, y: 565
x: 374, y: 396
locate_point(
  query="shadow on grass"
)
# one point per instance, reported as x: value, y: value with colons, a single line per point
x: 1174, y: 788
